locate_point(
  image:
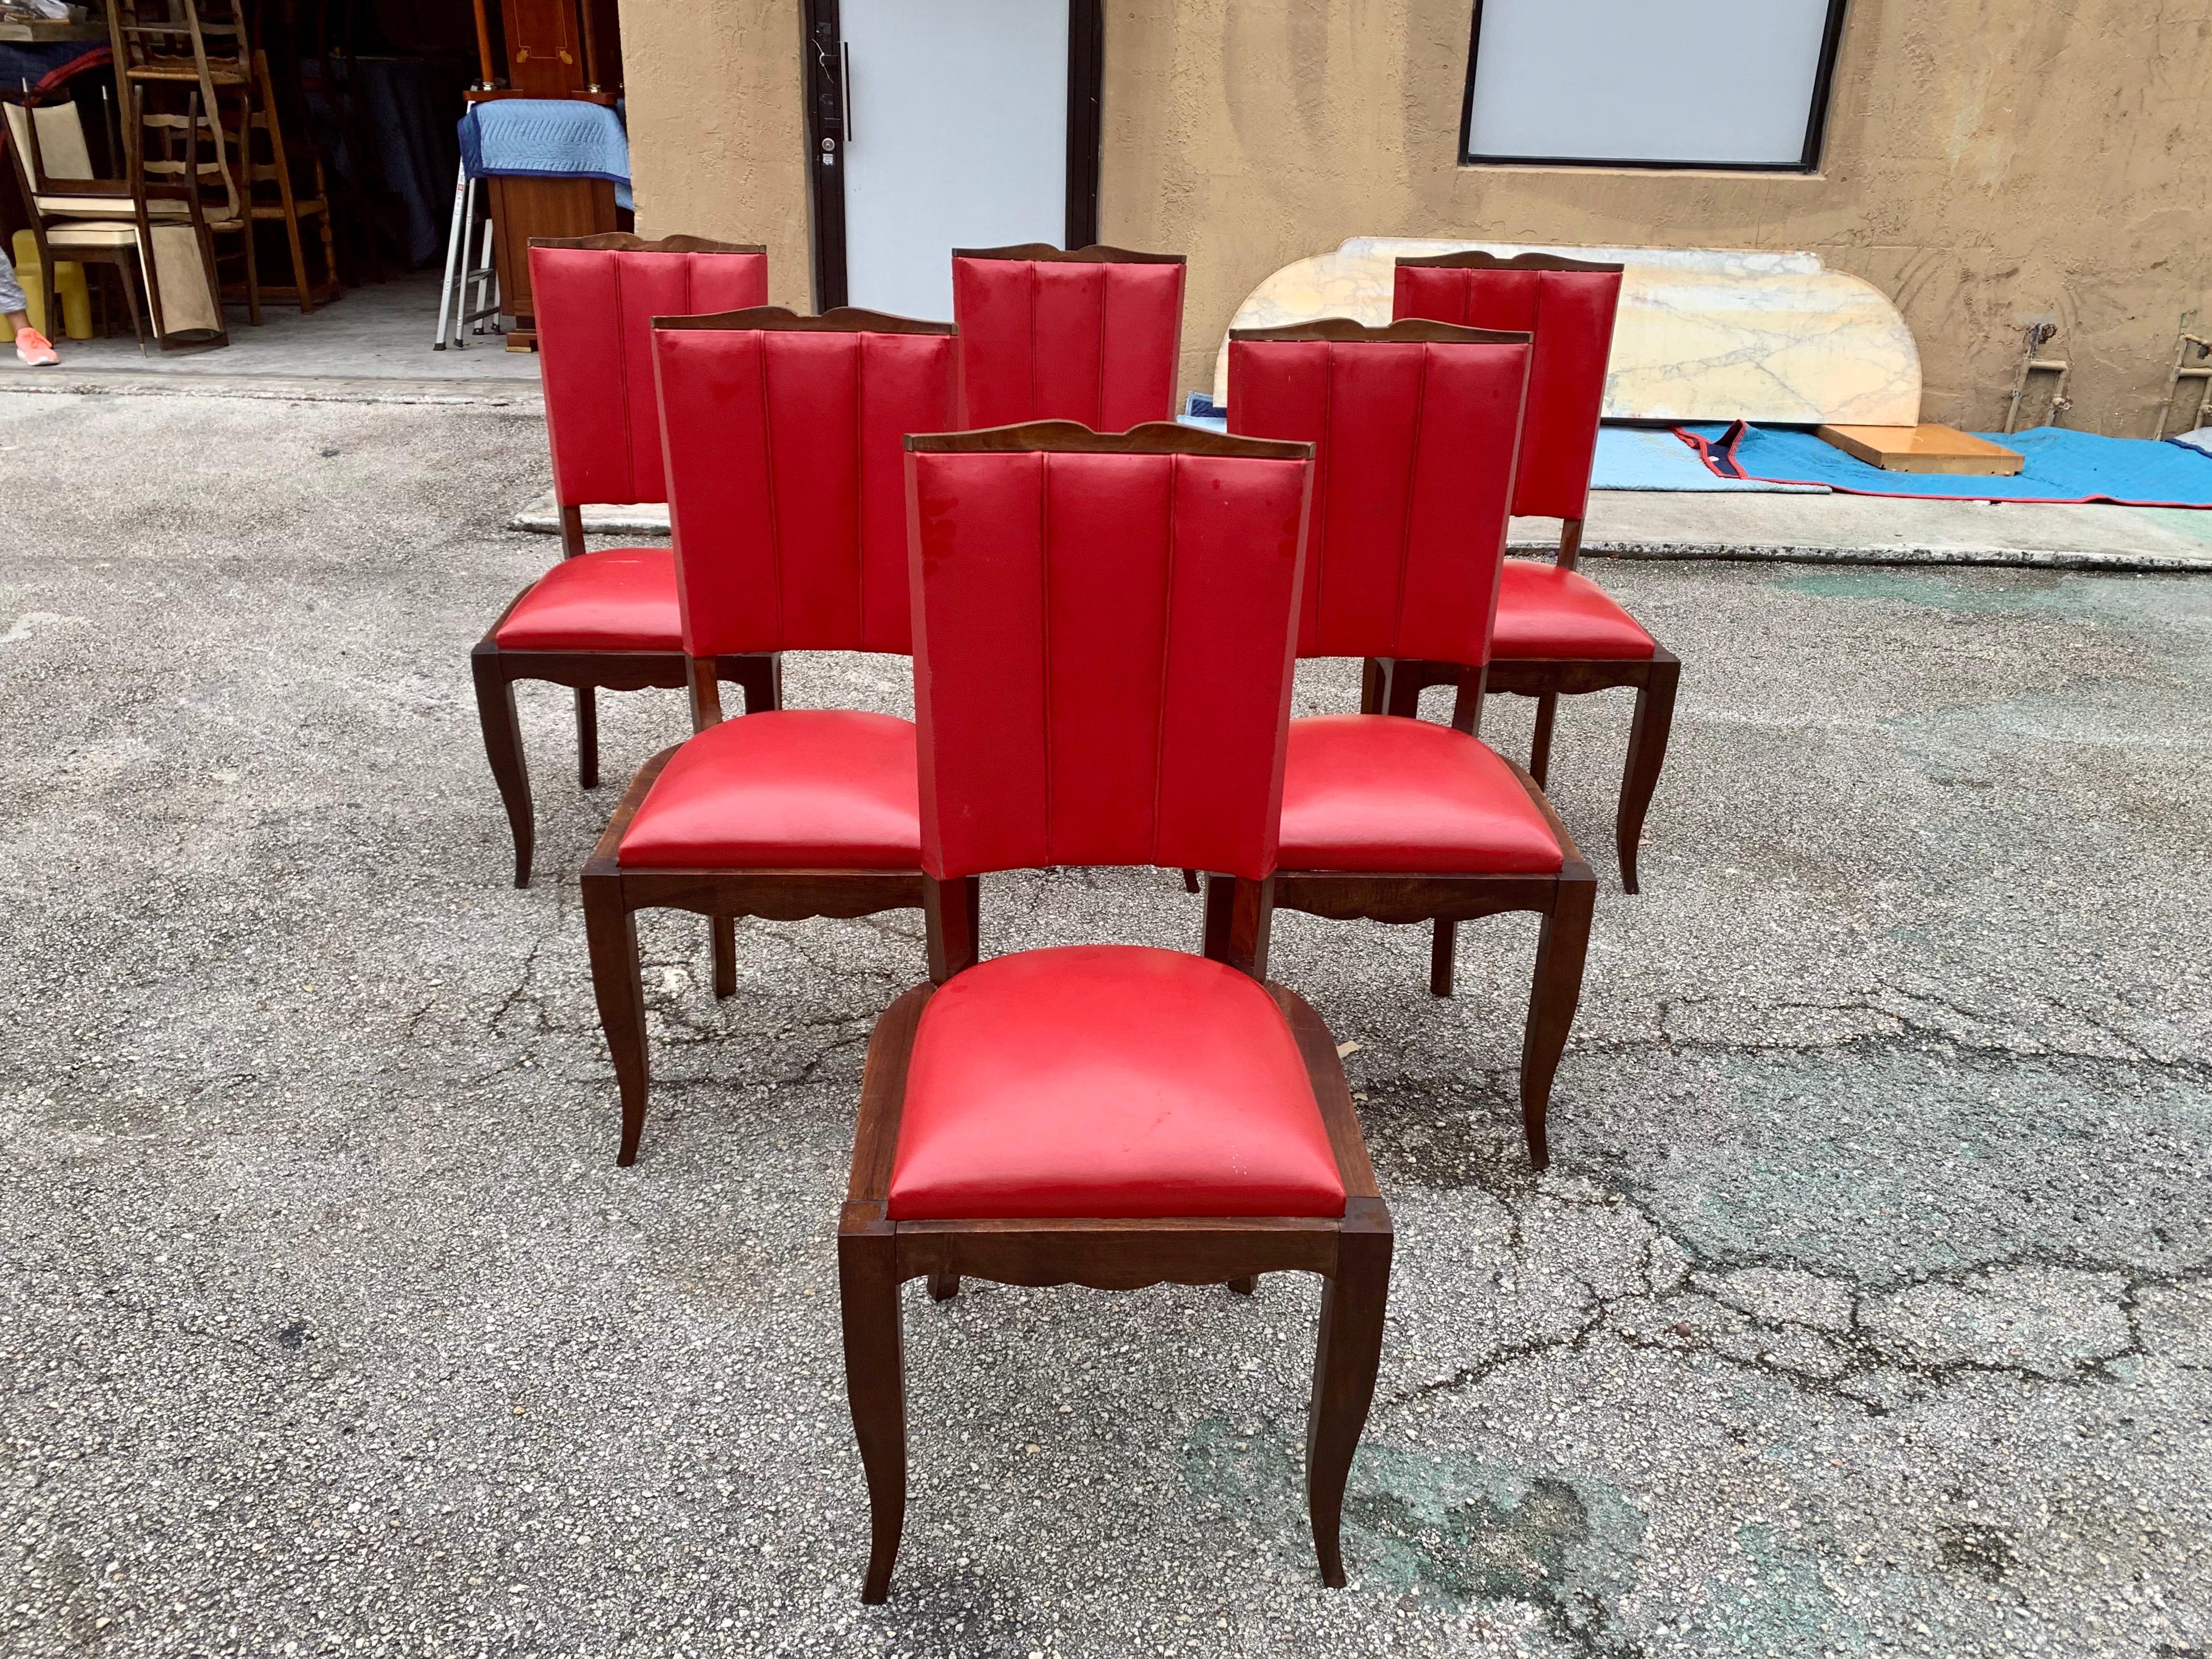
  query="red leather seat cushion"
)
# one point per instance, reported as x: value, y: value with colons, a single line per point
x: 1546, y: 612
x: 1108, y: 1080
x: 794, y: 789
x: 1379, y: 792
x: 623, y: 599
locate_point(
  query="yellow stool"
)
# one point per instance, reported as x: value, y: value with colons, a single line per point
x: 68, y: 286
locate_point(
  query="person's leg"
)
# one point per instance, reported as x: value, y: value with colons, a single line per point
x: 32, y: 347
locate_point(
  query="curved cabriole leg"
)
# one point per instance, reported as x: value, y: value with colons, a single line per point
x: 1442, y: 950
x: 1540, y: 745
x: 724, y: 930
x: 1345, y: 1359
x: 610, y: 930
x: 510, y: 770
x: 1190, y: 881
x: 587, y: 737
x: 1557, y: 987
x: 875, y: 1384
x: 943, y: 1287
x: 1647, y: 753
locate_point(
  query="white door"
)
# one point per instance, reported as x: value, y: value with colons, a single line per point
x: 955, y: 115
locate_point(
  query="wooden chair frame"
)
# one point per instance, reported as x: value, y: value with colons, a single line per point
x: 1396, y: 685
x: 290, y: 207
x: 1097, y: 254
x: 1565, y: 900
x: 497, y: 670
x: 613, y: 894
x: 876, y: 1254
x: 127, y: 262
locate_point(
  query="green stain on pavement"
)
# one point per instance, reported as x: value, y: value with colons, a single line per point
x: 1776, y: 1601
x: 1447, y: 1528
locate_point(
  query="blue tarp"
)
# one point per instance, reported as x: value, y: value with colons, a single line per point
x: 2059, y: 466
x: 546, y: 138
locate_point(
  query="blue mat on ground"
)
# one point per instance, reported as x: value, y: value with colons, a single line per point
x: 2059, y: 466
x: 1645, y: 457
x: 1628, y: 458
x: 547, y: 138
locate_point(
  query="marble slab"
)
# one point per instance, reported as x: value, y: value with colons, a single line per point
x: 1703, y: 334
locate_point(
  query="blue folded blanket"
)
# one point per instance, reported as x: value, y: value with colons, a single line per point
x: 546, y: 138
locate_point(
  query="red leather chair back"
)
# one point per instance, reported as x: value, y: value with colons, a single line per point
x: 1092, y: 336
x: 786, y: 482
x: 597, y: 297
x: 1102, y: 645
x: 1568, y: 306
x: 1415, y: 429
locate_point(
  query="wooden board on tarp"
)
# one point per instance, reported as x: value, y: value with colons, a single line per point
x: 1923, y: 448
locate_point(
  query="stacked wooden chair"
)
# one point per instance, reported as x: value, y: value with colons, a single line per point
x: 1559, y: 633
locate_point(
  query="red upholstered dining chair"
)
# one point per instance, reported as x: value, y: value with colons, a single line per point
x: 1557, y: 631
x: 786, y: 495
x: 1386, y: 816
x: 1109, y: 1115
x: 605, y: 619
x: 1090, y: 335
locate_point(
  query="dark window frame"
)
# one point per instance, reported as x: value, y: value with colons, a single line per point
x: 1816, y: 119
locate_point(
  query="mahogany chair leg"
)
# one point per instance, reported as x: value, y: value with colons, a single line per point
x: 1540, y: 745
x: 760, y: 679
x: 1190, y: 881
x: 1442, y: 950
x: 943, y: 1287
x: 952, y: 922
x: 1552, y: 995
x: 875, y: 1385
x: 510, y: 768
x: 610, y: 932
x: 1247, y: 1286
x: 725, y: 930
x: 1402, y: 692
x: 1647, y: 753
x: 1345, y: 1359
x: 1239, y: 918
x: 587, y: 737
x: 1374, y: 686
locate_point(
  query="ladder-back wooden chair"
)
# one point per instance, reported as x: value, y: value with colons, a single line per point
x: 1109, y: 1115
x: 276, y: 166
x: 185, y: 79
x: 609, y: 619
x: 787, y: 501
x: 1559, y: 633
x: 1090, y: 335
x: 1387, y: 817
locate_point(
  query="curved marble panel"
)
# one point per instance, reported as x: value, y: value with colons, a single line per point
x: 1705, y: 334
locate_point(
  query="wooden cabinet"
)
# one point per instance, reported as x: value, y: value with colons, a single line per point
x: 546, y: 49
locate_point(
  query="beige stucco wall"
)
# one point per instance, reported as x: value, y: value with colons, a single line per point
x: 1988, y: 163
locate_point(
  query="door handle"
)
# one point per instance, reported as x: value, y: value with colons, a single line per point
x: 845, y: 91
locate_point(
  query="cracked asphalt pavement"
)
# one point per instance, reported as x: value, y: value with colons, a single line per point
x: 1866, y: 1312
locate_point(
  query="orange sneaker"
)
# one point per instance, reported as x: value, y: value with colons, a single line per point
x: 35, y: 348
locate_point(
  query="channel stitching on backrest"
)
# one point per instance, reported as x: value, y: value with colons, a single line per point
x: 787, y: 483
x: 1091, y: 336
x: 1102, y: 645
x: 1568, y: 306
x: 1414, y: 428
x: 597, y: 297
